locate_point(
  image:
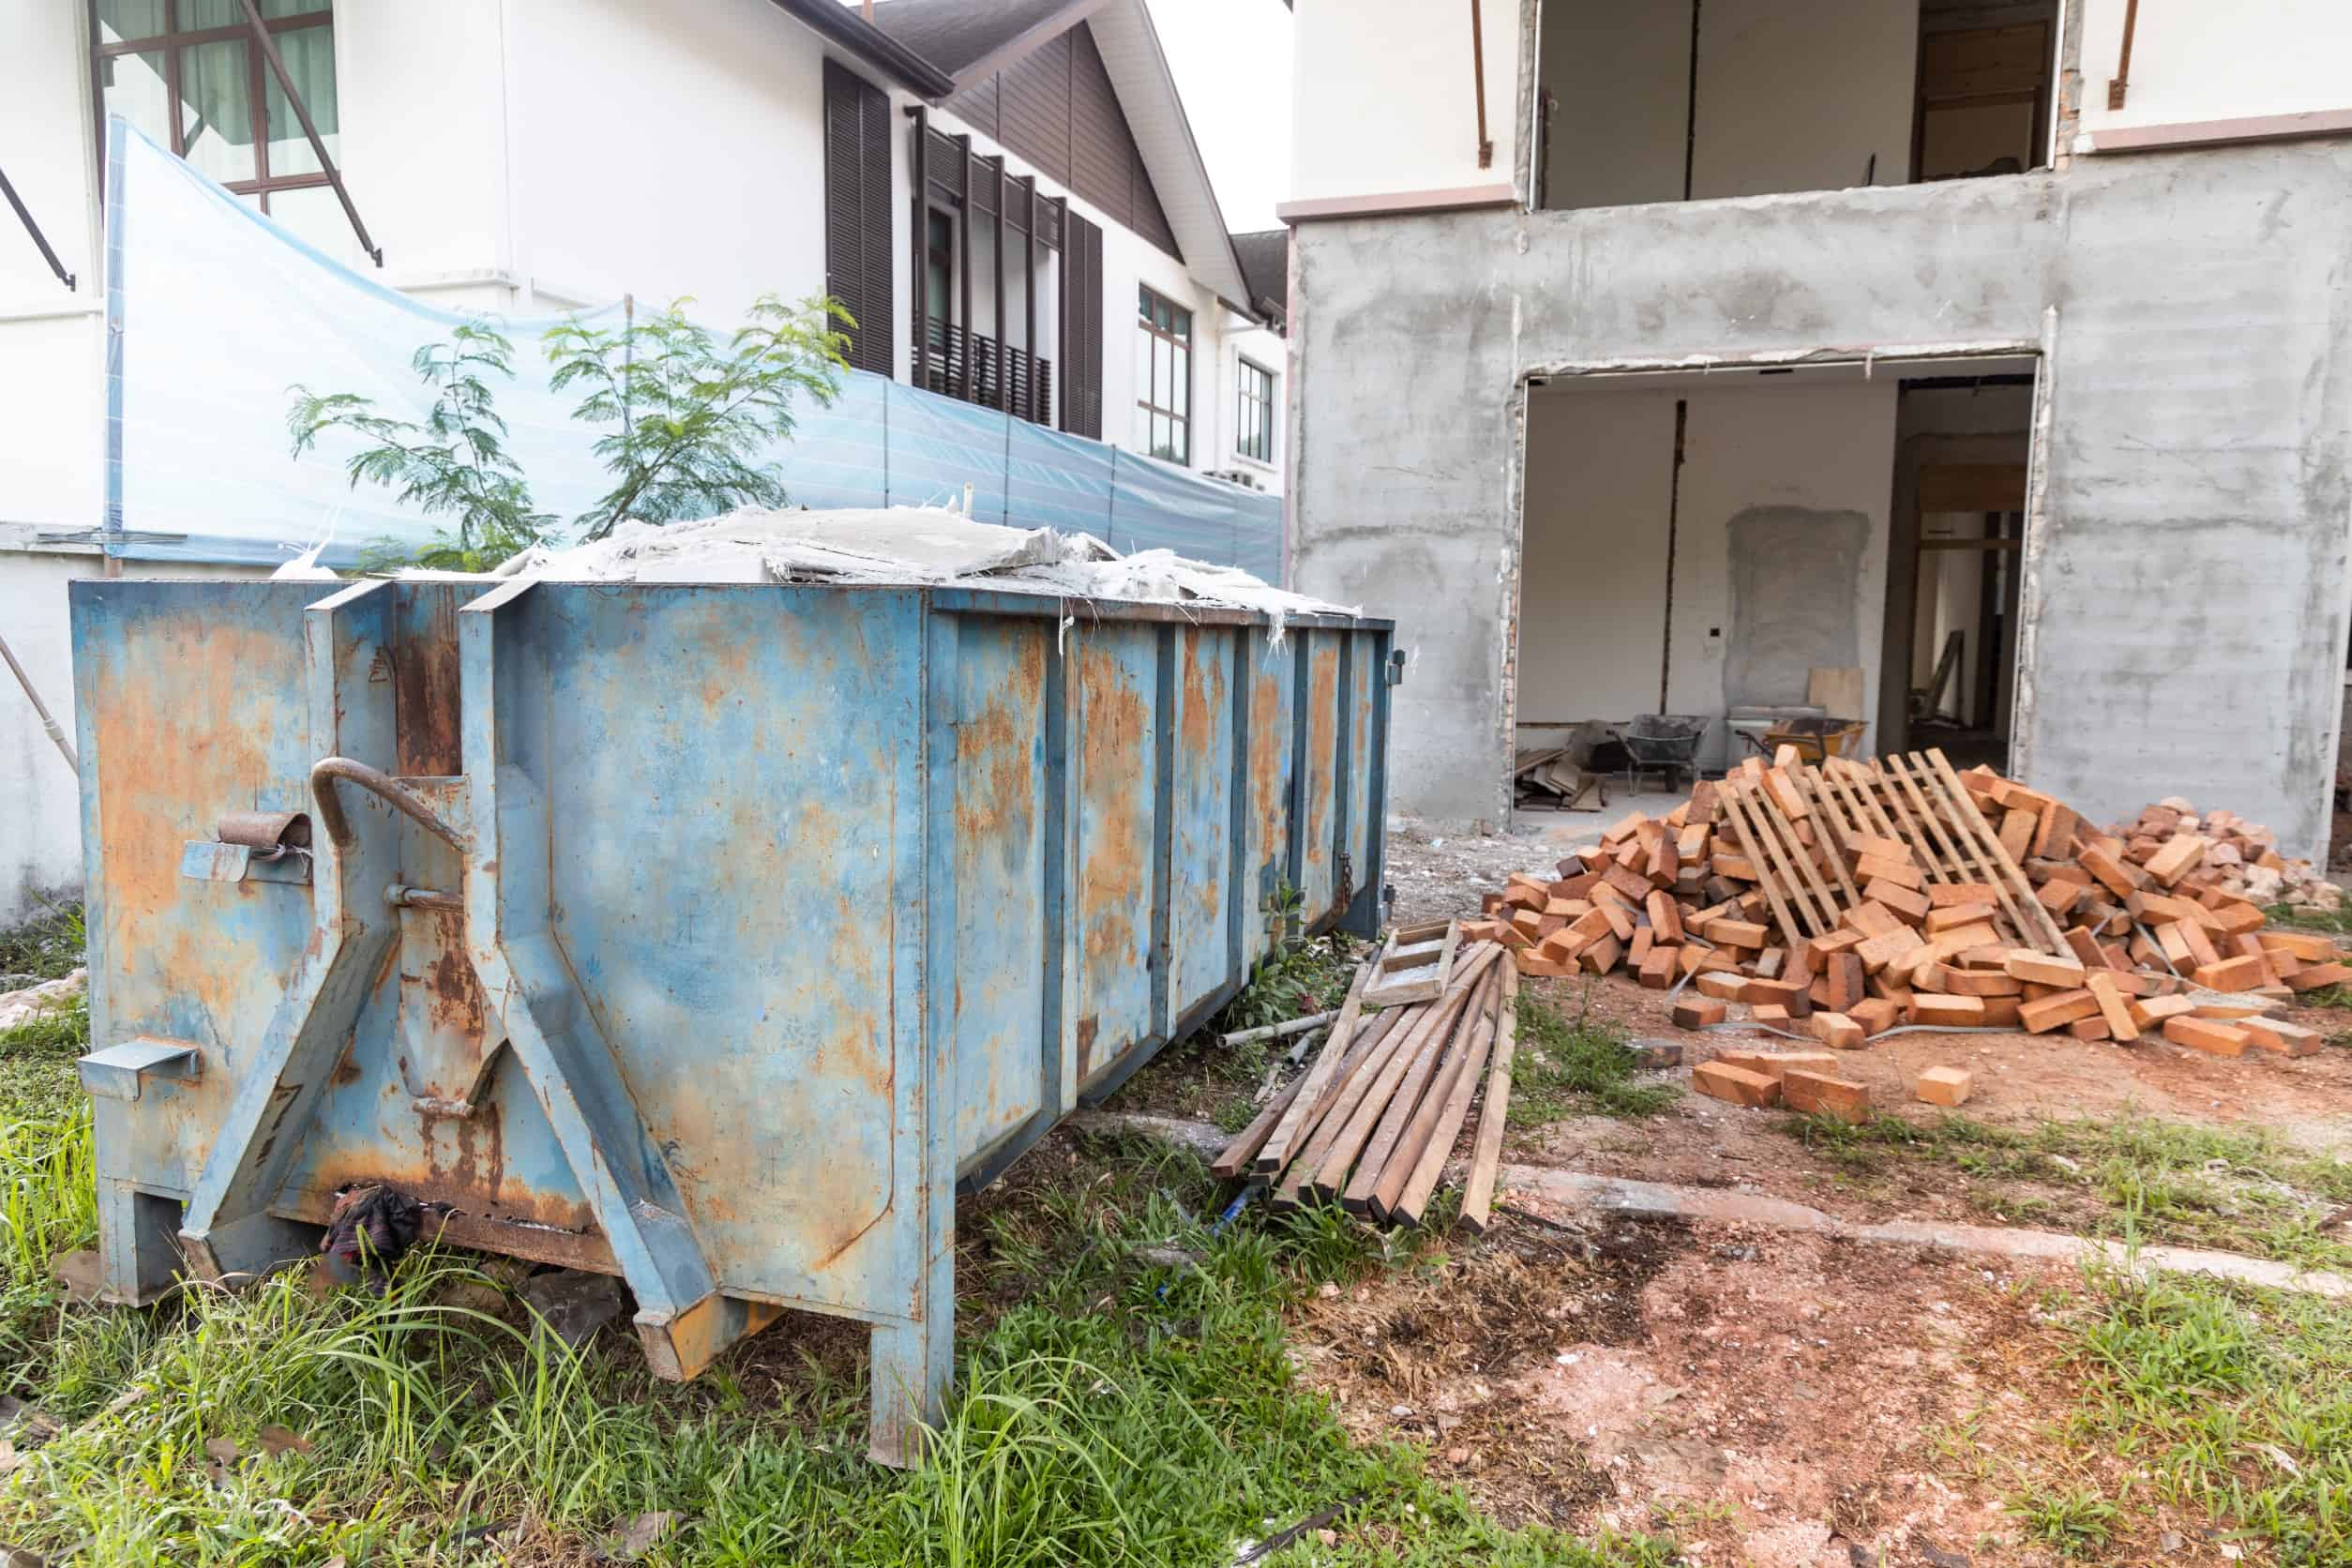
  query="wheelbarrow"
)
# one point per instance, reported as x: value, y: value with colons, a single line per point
x: 1814, y: 738
x: 1666, y: 743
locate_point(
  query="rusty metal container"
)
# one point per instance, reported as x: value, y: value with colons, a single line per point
x: 713, y: 937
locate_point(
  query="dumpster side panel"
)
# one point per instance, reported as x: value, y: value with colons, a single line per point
x: 1115, y: 667
x: 1270, y: 680
x: 1367, y: 814
x: 1362, y: 832
x: 1201, y: 866
x: 194, y: 704
x: 734, y: 777
x: 1318, y: 723
x: 1001, y: 787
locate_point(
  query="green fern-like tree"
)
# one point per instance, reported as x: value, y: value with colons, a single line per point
x: 452, y: 464
x: 687, y: 414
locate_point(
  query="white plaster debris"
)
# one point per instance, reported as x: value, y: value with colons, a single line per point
x: 17, y: 1008
x: 909, y: 546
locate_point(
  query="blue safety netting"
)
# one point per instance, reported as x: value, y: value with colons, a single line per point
x: 215, y: 315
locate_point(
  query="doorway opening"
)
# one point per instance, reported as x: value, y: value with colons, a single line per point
x: 1746, y: 547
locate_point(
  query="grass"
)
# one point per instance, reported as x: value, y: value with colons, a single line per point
x: 1118, y: 1403
x: 43, y: 949
x: 1566, y: 1066
x: 2338, y: 920
x: 1202, y: 1077
x: 2073, y: 1520
x: 2232, y: 1402
x: 2244, y: 1189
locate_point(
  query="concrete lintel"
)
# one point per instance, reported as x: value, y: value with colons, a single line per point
x: 1393, y: 203
x: 1890, y: 354
x: 2209, y: 133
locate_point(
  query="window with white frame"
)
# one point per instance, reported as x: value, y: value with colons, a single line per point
x: 1252, y: 430
x: 1163, y: 377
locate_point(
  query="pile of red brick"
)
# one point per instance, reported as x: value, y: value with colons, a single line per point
x: 2155, y: 917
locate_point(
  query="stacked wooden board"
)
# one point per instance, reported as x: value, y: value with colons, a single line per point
x: 1853, y: 896
x: 1371, y: 1123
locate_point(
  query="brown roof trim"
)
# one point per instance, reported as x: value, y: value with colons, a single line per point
x: 1014, y: 49
x: 837, y: 23
x: 1392, y: 204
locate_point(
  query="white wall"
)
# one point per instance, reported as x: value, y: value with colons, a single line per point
x: 672, y: 151
x: 1245, y: 337
x: 2197, y: 60
x: 1593, y: 589
x: 1382, y: 96
x: 1600, y: 468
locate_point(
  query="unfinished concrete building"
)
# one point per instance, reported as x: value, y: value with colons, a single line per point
x: 1651, y: 356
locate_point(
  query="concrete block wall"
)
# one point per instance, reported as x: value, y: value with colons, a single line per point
x: 2186, y: 592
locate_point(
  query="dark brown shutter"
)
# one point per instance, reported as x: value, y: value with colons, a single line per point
x: 858, y: 213
x: 1082, y: 328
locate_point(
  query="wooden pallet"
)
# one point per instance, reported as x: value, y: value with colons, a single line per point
x: 1918, y: 801
x: 1414, y: 964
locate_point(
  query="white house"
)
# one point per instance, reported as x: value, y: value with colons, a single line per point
x: 1648, y: 356
x: 1067, y: 261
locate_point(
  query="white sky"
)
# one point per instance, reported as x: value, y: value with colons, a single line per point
x: 1232, y: 65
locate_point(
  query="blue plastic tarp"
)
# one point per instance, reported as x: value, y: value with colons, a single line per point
x: 217, y: 314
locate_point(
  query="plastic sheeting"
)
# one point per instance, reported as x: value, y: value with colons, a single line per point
x: 216, y: 314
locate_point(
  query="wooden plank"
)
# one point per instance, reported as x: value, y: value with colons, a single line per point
x: 1727, y: 795
x: 1420, y: 983
x: 1973, y: 863
x: 1864, y: 781
x: 1752, y: 799
x: 1370, y: 1037
x: 1238, y: 1153
x: 1460, y: 1069
x: 1412, y: 1200
x: 1942, y: 766
x: 1779, y: 822
x: 1347, y: 1090
x: 1275, y: 1152
x: 1478, y: 1195
x: 1928, y: 839
x: 1329, y: 1180
x: 1404, y: 1105
x: 1827, y: 812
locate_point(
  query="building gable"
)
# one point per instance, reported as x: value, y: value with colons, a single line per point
x: 1055, y: 107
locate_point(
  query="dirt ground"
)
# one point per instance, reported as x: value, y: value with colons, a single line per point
x: 1776, y: 1400
x: 2026, y: 1077
x: 1783, y: 1399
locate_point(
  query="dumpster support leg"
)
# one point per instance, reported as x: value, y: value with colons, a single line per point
x: 228, y: 1229
x: 683, y: 1320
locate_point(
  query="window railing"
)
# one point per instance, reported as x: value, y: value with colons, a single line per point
x: 971, y: 369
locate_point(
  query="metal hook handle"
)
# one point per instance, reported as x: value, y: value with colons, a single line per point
x: 385, y: 787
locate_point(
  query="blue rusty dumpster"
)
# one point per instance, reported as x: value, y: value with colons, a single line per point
x: 713, y: 936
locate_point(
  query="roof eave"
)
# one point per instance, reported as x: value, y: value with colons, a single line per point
x: 839, y: 25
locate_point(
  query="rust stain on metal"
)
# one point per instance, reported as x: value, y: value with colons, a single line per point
x: 1086, y: 1030
x: 1267, y: 734
x: 455, y: 992
x: 993, y: 753
x: 1116, y: 782
x: 425, y: 682
x: 1204, y: 705
x: 1322, y: 728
